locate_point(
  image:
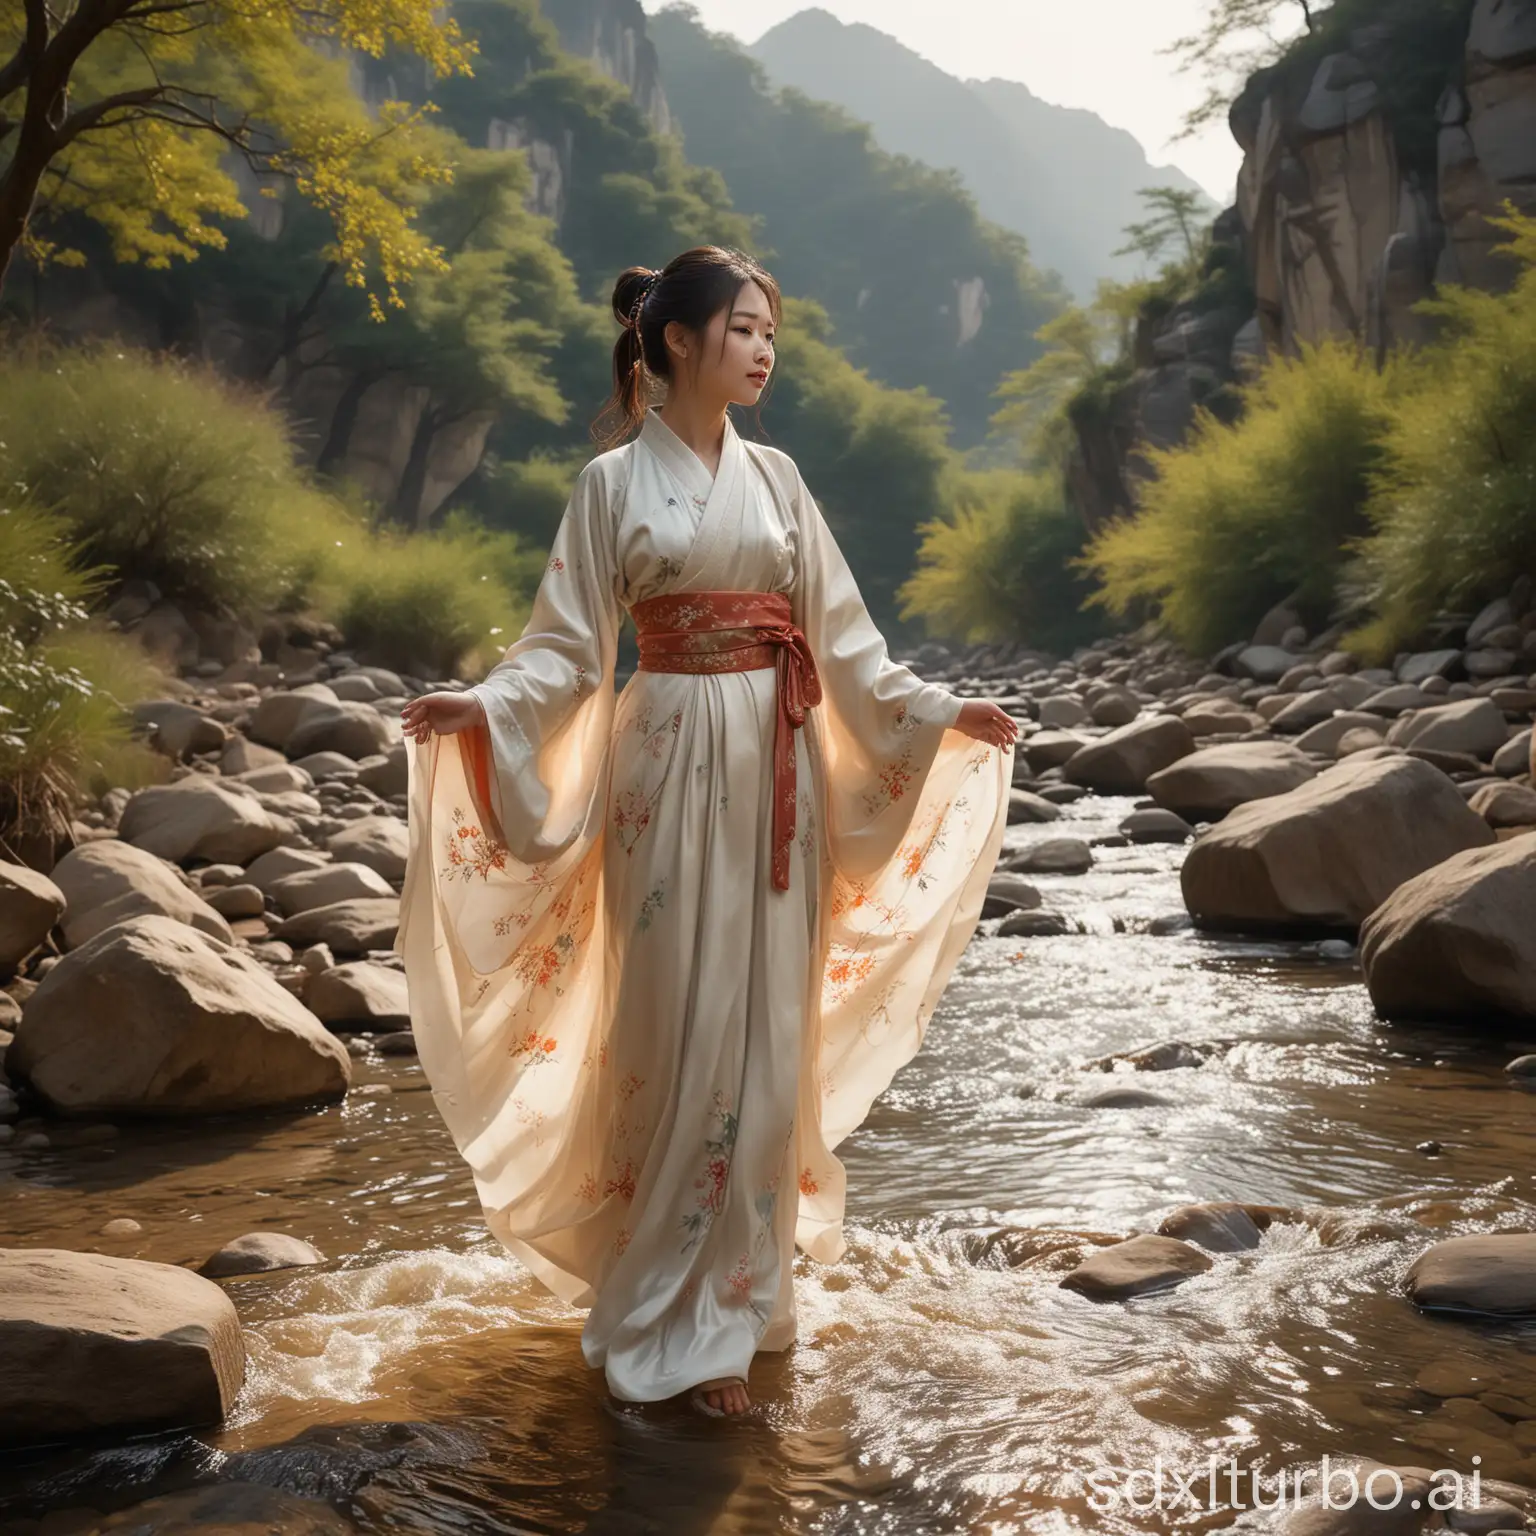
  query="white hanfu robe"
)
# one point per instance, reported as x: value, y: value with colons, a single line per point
x: 646, y: 1052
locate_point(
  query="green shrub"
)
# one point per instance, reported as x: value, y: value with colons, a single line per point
x: 1000, y: 565
x: 432, y: 603
x: 1246, y: 514
x: 64, y: 683
x: 164, y: 470
x: 1454, y: 508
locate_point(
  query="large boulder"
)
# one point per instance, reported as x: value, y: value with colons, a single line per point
x: 1506, y: 805
x: 180, y: 729
x: 150, y: 1017
x: 1492, y: 1273
x: 93, y: 1344
x: 1474, y: 726
x: 30, y: 904
x: 1121, y: 762
x: 1323, y: 857
x: 108, y: 881
x: 1209, y: 783
x: 1457, y: 942
x: 201, y: 817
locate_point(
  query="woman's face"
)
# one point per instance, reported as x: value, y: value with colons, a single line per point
x: 730, y: 363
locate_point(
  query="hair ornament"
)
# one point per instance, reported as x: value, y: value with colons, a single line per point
x: 647, y: 283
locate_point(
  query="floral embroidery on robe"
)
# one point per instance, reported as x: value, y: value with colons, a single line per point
x: 646, y: 1054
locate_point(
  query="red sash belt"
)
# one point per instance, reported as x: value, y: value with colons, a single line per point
x: 739, y: 632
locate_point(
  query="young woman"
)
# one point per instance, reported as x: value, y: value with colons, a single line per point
x: 666, y: 947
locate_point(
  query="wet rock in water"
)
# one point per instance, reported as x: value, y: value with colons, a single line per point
x: 1354, y: 1482
x: 1515, y: 757
x: 1522, y: 1066
x: 108, y: 882
x: 1050, y: 749
x: 1491, y: 1273
x: 93, y: 1343
x: 1169, y: 923
x: 359, y: 995
x: 1323, y: 857
x: 1156, y: 826
x: 30, y: 904
x: 121, y: 1226
x: 1062, y: 712
x: 1054, y: 856
x: 1024, y: 808
x: 1007, y: 892
x: 1122, y: 761
x: 150, y: 1017
x: 1457, y: 943
x: 1323, y: 739
x: 1506, y: 805
x: 258, y: 1252
x: 1221, y: 1226
x: 399, y: 1042
x: 1062, y: 794
x: 1475, y: 727
x: 1141, y: 1264
x: 1033, y: 925
x: 1213, y: 781
x: 1039, y: 1248
x: 1124, y: 1098
x: 311, y: 888
x: 380, y: 842
x: 227, y: 1509
x: 349, y: 927
x: 201, y: 817
x: 1165, y: 1056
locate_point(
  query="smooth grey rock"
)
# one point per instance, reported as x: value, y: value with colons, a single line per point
x: 258, y: 1252
x: 150, y: 1017
x: 97, y: 1344
x: 108, y: 881
x: 1326, y: 855
x: 1141, y: 1264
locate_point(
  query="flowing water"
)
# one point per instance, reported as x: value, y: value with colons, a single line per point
x: 421, y: 1382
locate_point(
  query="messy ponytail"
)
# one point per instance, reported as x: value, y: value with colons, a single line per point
x: 691, y: 289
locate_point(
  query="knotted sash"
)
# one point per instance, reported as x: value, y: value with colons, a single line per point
x: 739, y: 632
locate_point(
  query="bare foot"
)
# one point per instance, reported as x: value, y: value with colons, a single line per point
x: 723, y: 1394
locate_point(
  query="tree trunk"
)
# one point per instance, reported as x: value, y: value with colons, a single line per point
x: 407, y: 505
x: 344, y: 420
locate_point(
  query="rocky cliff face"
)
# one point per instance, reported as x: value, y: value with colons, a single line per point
x: 1368, y: 178
x: 1346, y: 228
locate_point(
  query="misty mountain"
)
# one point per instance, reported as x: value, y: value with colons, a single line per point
x: 1060, y: 176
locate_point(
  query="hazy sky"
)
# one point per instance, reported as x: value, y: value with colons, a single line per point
x: 1099, y: 54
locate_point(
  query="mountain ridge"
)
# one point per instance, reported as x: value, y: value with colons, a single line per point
x: 1060, y: 176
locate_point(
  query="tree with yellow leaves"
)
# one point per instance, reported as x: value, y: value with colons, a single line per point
x: 129, y: 111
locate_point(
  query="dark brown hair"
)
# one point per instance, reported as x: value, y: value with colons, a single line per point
x: 692, y: 289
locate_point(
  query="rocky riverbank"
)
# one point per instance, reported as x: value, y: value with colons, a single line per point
x: 222, y: 943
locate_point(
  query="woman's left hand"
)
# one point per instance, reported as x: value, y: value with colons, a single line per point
x: 987, y: 722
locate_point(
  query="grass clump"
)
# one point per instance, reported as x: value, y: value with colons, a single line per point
x: 1247, y: 513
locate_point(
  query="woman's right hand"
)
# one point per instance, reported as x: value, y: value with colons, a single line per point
x: 445, y: 713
